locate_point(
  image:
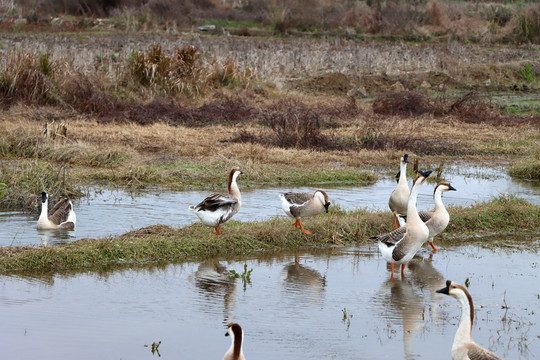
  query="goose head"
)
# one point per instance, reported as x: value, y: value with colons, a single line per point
x: 456, y: 291
x: 405, y: 159
x: 44, y: 197
x: 235, y: 172
x: 443, y: 187
x: 421, y: 176
x: 323, y: 198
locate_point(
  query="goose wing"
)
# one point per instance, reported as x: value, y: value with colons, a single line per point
x: 59, y: 213
x: 215, y: 202
x: 425, y: 215
x: 393, y: 237
x: 298, y: 199
x: 476, y: 352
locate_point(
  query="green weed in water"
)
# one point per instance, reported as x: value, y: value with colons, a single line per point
x: 245, y: 276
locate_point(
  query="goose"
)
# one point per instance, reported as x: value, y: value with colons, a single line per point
x: 61, y: 216
x: 237, y: 337
x: 464, y: 347
x: 400, y: 195
x: 218, y: 208
x: 436, y: 220
x: 298, y: 205
x: 401, y: 249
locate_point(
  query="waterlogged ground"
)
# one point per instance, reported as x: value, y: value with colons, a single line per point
x: 331, y: 305
x: 112, y: 212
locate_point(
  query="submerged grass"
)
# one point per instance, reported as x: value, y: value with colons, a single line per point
x: 160, y: 243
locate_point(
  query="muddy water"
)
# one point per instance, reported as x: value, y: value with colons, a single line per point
x: 337, y: 304
x: 108, y: 212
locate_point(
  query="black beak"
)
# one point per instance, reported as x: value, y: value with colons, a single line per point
x: 450, y: 187
x: 446, y: 289
x: 43, y: 196
x: 425, y: 174
x: 227, y: 333
x: 326, y: 206
x: 406, y: 158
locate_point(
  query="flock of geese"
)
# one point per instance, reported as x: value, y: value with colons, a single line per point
x: 413, y: 229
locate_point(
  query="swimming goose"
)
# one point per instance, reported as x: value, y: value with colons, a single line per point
x: 400, y: 249
x: 464, y: 347
x: 436, y: 220
x: 218, y: 208
x: 237, y: 336
x: 299, y: 205
x: 400, y: 195
x: 61, y: 215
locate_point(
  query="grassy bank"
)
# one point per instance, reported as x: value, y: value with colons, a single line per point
x: 161, y: 243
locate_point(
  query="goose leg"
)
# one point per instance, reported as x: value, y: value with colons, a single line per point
x: 433, y: 246
x: 396, y: 224
x: 402, y: 269
x: 217, y: 229
x: 392, y: 276
x: 296, y: 223
x: 301, y: 227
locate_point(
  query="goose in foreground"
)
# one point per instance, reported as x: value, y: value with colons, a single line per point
x: 402, y: 248
x: 436, y: 220
x: 400, y: 196
x: 299, y: 205
x: 237, y: 337
x: 61, y: 216
x: 218, y: 208
x: 464, y: 347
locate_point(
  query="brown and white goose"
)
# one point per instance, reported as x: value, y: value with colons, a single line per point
x: 299, y: 205
x: 464, y: 347
x: 400, y: 196
x: 401, y: 249
x: 61, y: 216
x: 218, y: 208
x: 237, y: 337
x: 436, y: 220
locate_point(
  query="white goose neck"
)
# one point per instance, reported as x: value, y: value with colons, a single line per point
x: 402, y: 172
x: 412, y: 213
x: 233, y: 187
x: 44, y: 210
x: 464, y: 331
x: 437, y: 197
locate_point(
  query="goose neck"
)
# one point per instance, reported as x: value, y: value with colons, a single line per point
x: 464, y: 331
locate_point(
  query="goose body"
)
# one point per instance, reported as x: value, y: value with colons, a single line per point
x: 298, y: 205
x: 464, y: 347
x: 61, y: 216
x: 218, y: 208
x: 401, y: 248
x: 436, y: 220
x: 400, y: 196
x: 236, y: 333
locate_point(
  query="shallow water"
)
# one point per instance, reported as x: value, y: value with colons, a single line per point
x: 288, y: 310
x: 111, y: 212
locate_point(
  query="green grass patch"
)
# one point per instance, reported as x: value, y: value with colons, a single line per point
x: 160, y: 243
x: 527, y: 169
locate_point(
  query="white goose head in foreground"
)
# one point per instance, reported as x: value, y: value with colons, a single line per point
x: 464, y: 347
x: 299, y: 205
x: 400, y: 196
x: 237, y: 337
x: 61, y: 216
x: 401, y: 249
x: 218, y: 208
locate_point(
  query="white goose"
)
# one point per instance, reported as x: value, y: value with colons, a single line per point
x: 237, y: 337
x: 218, y: 208
x: 401, y: 250
x: 436, y: 220
x: 299, y: 205
x: 464, y: 347
x: 61, y: 216
x: 400, y: 196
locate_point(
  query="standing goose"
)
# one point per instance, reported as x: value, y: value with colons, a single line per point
x: 401, y: 248
x: 218, y: 208
x: 400, y: 196
x: 464, y: 347
x: 299, y: 205
x: 61, y: 215
x: 237, y: 337
x: 436, y: 220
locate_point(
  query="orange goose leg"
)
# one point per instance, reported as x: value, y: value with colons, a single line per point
x: 392, y: 276
x: 433, y: 246
x: 402, y: 268
x: 217, y: 229
x: 396, y: 224
x: 301, y: 227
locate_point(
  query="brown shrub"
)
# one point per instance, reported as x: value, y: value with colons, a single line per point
x: 404, y: 103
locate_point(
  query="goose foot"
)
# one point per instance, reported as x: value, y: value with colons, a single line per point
x: 433, y: 246
x: 217, y: 229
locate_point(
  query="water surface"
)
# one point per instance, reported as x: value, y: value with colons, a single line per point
x: 337, y: 304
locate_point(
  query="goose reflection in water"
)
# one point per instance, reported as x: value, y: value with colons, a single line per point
x: 304, y: 282
x: 215, y: 283
x: 55, y: 236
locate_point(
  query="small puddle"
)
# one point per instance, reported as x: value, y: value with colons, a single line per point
x: 111, y: 212
x: 332, y: 304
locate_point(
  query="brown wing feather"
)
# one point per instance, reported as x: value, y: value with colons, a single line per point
x: 59, y: 213
x: 392, y: 237
x: 425, y: 215
x: 216, y: 201
x: 298, y: 198
x: 476, y: 352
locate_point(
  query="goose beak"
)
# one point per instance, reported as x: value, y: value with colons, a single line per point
x: 326, y: 206
x: 43, y: 197
x: 446, y: 289
x: 450, y: 187
x: 425, y: 174
x: 406, y: 158
x: 227, y: 333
